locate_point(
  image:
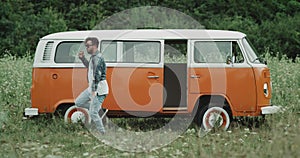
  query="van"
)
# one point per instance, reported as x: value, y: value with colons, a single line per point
x: 212, y: 74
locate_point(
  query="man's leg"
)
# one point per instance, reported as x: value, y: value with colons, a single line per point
x: 95, y: 107
x: 83, y: 99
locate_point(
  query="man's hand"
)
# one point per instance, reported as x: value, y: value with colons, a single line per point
x: 81, y: 54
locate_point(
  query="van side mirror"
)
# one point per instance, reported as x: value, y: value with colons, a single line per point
x: 261, y: 60
x: 264, y: 61
x: 228, y: 60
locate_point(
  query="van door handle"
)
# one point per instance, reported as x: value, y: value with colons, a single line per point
x: 153, y: 77
x: 195, y: 76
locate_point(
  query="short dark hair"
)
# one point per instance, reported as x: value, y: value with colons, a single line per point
x: 94, y: 40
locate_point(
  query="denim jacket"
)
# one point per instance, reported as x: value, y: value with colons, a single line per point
x: 96, y: 73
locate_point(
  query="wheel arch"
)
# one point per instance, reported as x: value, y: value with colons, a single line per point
x: 213, y: 99
x: 63, y: 106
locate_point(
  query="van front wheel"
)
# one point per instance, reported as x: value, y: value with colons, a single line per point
x: 215, y: 118
x: 211, y: 117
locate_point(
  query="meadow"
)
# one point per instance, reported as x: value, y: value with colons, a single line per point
x: 49, y: 136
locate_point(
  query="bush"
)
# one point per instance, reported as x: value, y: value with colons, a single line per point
x: 15, y: 81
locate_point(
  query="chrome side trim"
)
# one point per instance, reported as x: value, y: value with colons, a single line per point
x: 175, y: 109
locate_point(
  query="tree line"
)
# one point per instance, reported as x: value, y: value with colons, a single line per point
x: 272, y: 26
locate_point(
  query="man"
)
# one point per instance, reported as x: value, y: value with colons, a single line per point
x: 98, y: 88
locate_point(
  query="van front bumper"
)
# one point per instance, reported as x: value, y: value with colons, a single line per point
x: 270, y: 109
x: 31, y: 112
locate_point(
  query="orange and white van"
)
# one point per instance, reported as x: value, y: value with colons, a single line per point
x: 156, y: 73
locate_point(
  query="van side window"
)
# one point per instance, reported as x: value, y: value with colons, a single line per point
x: 67, y: 52
x: 217, y: 52
x: 140, y: 52
x: 109, y: 50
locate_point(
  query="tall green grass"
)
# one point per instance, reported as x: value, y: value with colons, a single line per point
x: 285, y: 75
x: 49, y: 136
x: 15, y: 82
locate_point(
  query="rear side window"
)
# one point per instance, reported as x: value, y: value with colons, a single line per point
x: 67, y: 52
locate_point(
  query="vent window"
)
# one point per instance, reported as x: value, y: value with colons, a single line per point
x: 47, y: 51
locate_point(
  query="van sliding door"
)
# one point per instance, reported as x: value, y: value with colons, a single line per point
x: 175, y: 75
x: 135, y: 76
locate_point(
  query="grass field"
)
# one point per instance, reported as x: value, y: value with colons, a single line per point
x: 49, y: 136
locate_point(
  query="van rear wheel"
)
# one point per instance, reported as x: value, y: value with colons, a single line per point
x: 76, y: 114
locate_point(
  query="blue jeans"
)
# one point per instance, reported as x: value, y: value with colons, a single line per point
x: 94, y: 107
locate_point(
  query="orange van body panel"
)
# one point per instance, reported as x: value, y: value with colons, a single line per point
x: 236, y: 84
x: 50, y: 86
x: 132, y: 90
x: 262, y: 76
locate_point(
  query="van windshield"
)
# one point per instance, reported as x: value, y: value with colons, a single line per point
x: 250, y: 51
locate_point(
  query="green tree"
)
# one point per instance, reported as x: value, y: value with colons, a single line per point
x: 269, y: 24
x: 21, y: 28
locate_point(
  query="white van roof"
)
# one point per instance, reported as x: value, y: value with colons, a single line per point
x: 146, y: 34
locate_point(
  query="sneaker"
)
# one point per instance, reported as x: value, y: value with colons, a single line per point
x: 101, y: 132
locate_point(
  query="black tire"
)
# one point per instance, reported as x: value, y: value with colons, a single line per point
x: 203, y: 109
x: 199, y: 115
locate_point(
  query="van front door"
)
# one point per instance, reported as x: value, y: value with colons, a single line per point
x: 211, y: 75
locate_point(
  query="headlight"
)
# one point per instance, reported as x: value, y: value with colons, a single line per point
x: 266, y: 91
